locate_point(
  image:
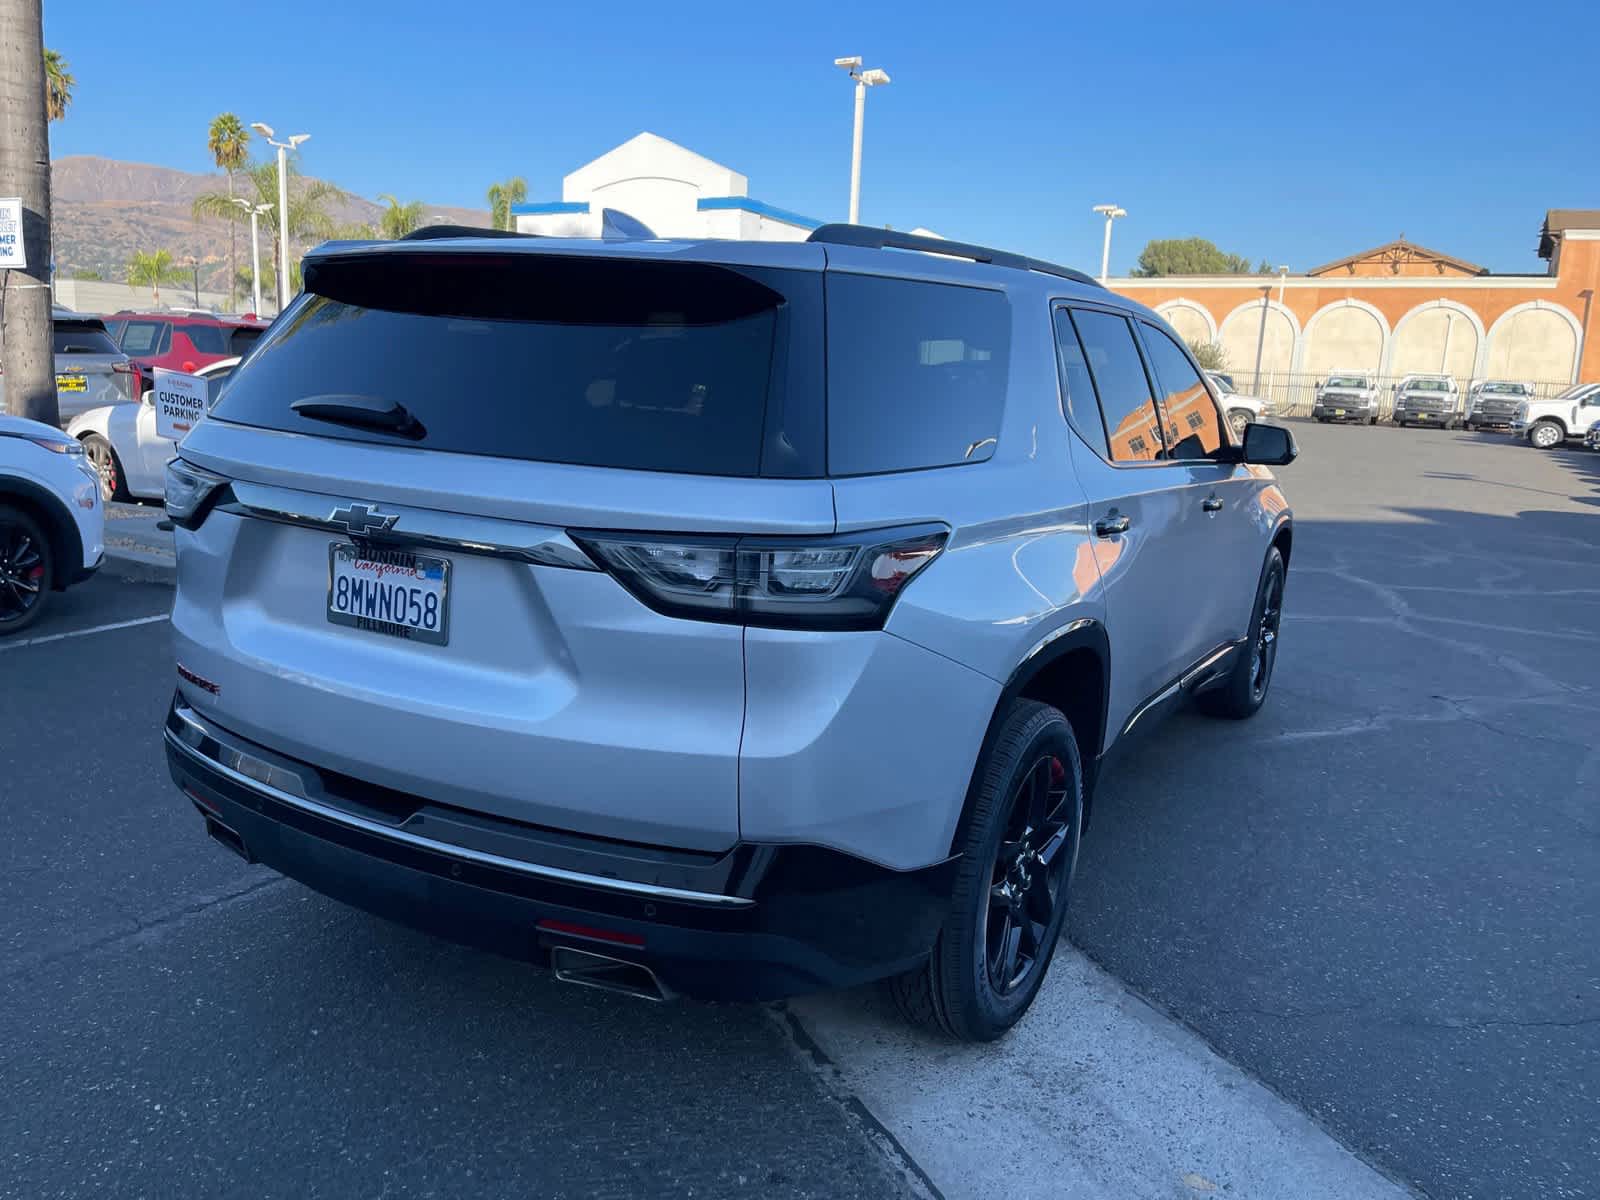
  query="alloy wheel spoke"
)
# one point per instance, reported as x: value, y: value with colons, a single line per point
x: 1010, y: 952
x: 1052, y: 835
x: 1038, y: 793
x: 1040, y: 903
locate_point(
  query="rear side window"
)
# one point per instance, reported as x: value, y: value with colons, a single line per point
x: 142, y: 337
x: 1120, y: 381
x: 73, y: 338
x: 1077, y: 387
x: 1189, y: 409
x: 916, y: 373
x: 207, y: 339
x: 597, y: 362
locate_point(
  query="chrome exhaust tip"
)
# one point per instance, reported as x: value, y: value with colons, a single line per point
x: 587, y: 969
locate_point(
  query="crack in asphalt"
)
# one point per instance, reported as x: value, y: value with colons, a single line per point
x: 1469, y: 1024
x: 142, y: 927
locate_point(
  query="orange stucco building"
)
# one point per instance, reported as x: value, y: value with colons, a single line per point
x: 1397, y: 309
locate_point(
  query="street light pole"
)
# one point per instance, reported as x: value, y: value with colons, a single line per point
x: 283, y: 203
x: 255, y: 211
x: 1261, y: 338
x: 1111, y: 212
x: 871, y: 77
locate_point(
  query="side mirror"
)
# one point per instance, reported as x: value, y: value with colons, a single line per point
x: 1269, y: 445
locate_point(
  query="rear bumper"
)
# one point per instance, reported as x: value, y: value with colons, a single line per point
x: 757, y: 922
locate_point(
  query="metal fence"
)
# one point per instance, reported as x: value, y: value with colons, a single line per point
x: 1293, y: 393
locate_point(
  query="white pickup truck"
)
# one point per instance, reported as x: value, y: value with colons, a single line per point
x: 1549, y: 423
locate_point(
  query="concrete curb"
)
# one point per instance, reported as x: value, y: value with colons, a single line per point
x: 139, y: 566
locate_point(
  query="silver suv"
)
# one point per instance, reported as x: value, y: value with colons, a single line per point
x: 723, y: 618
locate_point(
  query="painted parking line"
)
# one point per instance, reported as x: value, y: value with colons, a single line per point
x: 1094, y: 1096
x: 74, y: 633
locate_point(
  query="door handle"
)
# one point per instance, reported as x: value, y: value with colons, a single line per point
x: 1110, y: 526
x: 1211, y: 504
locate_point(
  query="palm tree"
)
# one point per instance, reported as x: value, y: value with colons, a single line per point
x: 152, y: 269
x: 229, y: 143
x: 502, y: 196
x: 399, y: 219
x: 58, y: 85
x: 308, y: 219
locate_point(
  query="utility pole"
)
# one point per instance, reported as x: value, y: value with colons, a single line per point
x: 25, y: 340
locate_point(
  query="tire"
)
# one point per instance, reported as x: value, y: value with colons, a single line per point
x: 1467, y: 425
x: 104, y: 457
x: 1546, y: 435
x: 1239, y: 418
x: 995, y: 908
x: 1372, y: 420
x: 27, y: 570
x: 1245, y: 689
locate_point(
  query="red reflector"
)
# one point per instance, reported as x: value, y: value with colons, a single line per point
x: 603, y: 935
x: 204, y: 803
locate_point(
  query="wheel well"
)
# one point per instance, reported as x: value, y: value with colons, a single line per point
x: 55, y: 524
x: 1075, y: 683
x: 1550, y: 421
x: 1284, y: 541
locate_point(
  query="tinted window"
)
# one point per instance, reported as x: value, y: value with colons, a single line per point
x: 1077, y: 387
x: 1120, y: 381
x: 207, y: 339
x: 916, y: 373
x: 618, y: 364
x: 240, y: 340
x: 1188, y: 406
x: 73, y: 338
x: 142, y: 337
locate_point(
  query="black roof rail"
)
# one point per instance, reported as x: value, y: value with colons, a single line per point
x: 879, y: 239
x: 428, y: 233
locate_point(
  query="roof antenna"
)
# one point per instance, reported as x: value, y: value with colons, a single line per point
x: 618, y: 226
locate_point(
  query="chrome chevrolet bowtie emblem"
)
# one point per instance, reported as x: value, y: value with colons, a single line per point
x: 362, y: 520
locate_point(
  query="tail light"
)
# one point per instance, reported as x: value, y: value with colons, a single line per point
x: 191, y: 492
x: 129, y: 378
x: 843, y: 582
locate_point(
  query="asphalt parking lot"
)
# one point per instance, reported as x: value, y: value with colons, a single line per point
x: 1382, y: 897
x: 1379, y: 898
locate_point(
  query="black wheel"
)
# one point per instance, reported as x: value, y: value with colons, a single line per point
x: 1322, y: 420
x: 1372, y: 420
x: 107, y: 465
x: 1467, y: 425
x: 1019, y: 852
x: 1246, y: 686
x: 27, y: 571
x: 1546, y: 435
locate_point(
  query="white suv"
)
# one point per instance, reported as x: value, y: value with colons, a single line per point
x: 722, y: 618
x: 52, y: 524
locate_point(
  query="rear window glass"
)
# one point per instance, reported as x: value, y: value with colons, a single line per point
x: 613, y: 363
x: 916, y: 373
x: 82, y: 339
x: 240, y: 340
x: 207, y: 339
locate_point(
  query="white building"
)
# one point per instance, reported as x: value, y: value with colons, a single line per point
x: 676, y: 192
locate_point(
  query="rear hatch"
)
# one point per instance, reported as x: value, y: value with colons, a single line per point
x: 90, y: 370
x: 443, y: 417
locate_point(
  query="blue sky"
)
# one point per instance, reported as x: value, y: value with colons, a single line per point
x: 1297, y: 133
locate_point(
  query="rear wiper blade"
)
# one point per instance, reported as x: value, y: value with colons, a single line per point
x: 368, y: 412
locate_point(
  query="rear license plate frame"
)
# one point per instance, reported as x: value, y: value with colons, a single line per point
x: 401, y: 560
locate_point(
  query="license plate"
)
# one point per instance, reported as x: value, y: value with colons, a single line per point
x: 387, y: 591
x: 1338, y: 412
x: 71, y: 383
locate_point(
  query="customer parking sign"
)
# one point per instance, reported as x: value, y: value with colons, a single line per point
x: 13, y: 254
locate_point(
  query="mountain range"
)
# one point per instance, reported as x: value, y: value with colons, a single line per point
x: 104, y: 210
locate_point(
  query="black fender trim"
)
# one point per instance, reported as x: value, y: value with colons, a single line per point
x: 61, y: 529
x: 1084, y: 633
